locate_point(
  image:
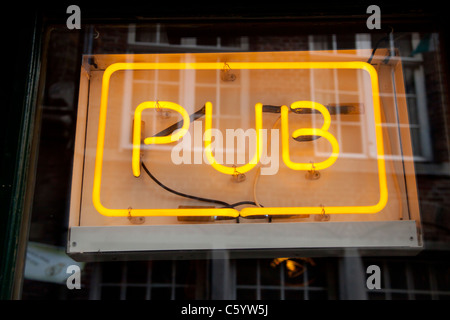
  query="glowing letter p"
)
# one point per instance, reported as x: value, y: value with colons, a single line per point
x: 136, y: 165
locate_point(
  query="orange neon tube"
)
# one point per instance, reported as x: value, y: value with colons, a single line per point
x: 96, y: 197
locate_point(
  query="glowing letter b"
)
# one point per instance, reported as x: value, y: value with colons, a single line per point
x: 323, y: 132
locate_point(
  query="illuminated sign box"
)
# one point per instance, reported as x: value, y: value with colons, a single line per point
x: 237, y: 151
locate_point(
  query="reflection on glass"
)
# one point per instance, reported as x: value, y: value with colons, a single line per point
x: 412, y: 101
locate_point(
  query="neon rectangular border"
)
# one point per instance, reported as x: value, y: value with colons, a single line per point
x: 245, y: 211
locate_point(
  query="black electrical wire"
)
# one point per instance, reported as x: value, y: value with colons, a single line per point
x: 180, y: 193
x: 223, y: 203
x: 376, y: 47
x: 385, y: 38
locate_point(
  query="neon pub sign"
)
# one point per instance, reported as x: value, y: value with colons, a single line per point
x: 257, y: 153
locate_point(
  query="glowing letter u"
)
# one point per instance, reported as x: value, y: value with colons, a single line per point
x: 259, y: 144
